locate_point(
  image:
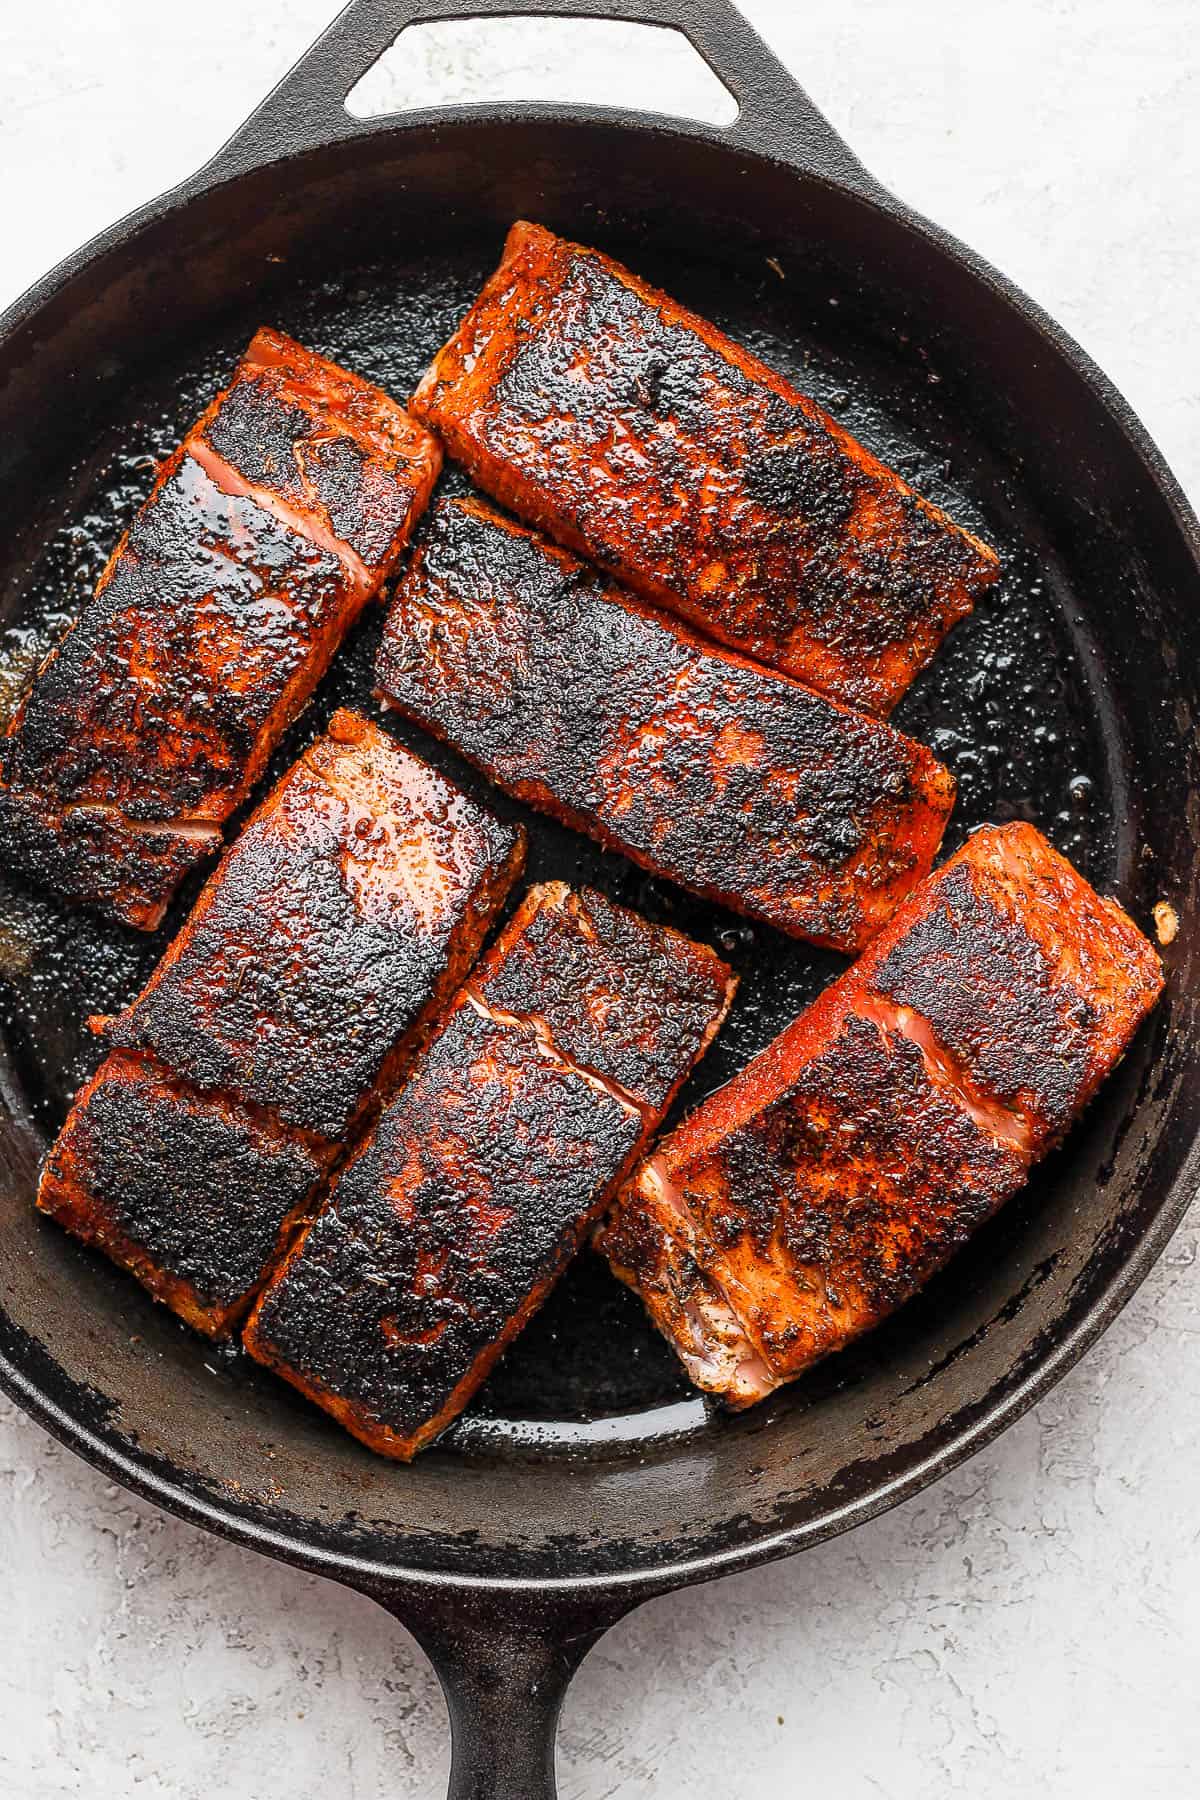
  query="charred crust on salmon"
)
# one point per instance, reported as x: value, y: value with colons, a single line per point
x: 468, y: 1198
x: 264, y: 535
x: 739, y: 784
x: 631, y: 1001
x: 192, y: 1193
x: 818, y: 1189
x: 345, y: 914
x: 461, y: 1208
x: 283, y: 1015
x: 601, y: 410
x: 214, y: 631
x: 1029, y: 979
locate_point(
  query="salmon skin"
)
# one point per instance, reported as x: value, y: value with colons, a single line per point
x: 458, y: 1214
x: 219, y: 611
x: 632, y: 431
x: 314, y: 963
x: 804, y: 1201
x: 740, y: 785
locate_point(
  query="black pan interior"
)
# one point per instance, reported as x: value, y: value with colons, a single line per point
x: 1069, y: 699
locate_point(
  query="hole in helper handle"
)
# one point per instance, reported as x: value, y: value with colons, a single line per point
x: 775, y: 118
x: 505, y: 1660
x: 550, y: 62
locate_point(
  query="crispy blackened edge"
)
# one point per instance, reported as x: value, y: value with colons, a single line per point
x: 93, y: 856
x: 193, y: 1194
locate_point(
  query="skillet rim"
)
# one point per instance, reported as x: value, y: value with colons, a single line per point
x: 754, y: 142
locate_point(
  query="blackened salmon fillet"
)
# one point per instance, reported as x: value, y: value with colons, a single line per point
x: 634, y: 432
x: 804, y: 1201
x: 447, y: 1230
x: 265, y: 534
x: 739, y: 784
x: 314, y: 963
x: 343, y: 917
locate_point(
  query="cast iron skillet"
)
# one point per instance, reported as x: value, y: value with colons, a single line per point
x: 590, y: 1477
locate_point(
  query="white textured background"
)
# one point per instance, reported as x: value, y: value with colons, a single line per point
x: 1031, y: 1626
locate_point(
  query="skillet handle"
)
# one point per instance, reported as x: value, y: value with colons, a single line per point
x: 505, y: 1661
x: 776, y: 118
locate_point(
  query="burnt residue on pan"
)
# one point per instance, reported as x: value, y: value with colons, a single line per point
x: 1017, y: 703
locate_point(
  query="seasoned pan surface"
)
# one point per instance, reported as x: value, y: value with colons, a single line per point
x: 1014, y: 705
x: 1067, y: 699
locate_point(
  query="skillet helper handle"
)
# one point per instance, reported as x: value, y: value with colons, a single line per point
x: 505, y: 1662
x: 776, y: 118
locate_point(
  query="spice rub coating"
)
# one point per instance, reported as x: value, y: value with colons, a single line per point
x: 631, y: 430
x: 448, y: 1228
x: 153, y: 704
x: 1030, y: 980
x: 81, y: 852
x: 633, y: 1003
x: 191, y: 1193
x: 819, y: 1213
x: 282, y: 1016
x: 741, y: 785
x: 342, y: 918
x: 219, y: 611
x: 813, y: 1194
x: 311, y: 436
x: 442, y: 1235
